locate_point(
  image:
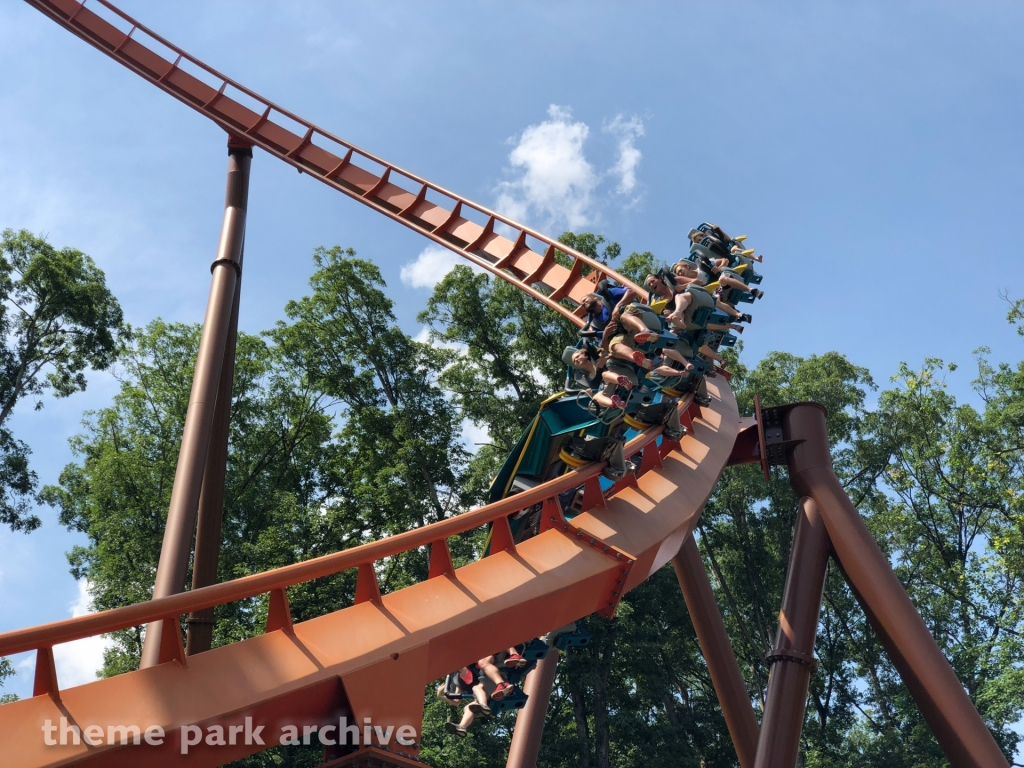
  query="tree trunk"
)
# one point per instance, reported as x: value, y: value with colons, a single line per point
x: 602, y: 735
x: 579, y: 713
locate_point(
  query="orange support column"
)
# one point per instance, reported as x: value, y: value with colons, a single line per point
x: 211, y: 497
x: 529, y: 728
x: 717, y: 649
x: 946, y: 707
x: 793, y: 655
x: 196, y: 435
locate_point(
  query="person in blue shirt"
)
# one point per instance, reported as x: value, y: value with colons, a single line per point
x: 617, y: 306
x: 602, y: 304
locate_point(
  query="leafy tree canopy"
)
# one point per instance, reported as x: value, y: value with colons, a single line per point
x: 58, y: 319
x: 346, y: 429
x: 6, y: 670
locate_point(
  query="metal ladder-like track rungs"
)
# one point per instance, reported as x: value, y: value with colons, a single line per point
x: 533, y: 272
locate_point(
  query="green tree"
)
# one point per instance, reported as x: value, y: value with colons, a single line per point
x: 401, y: 456
x: 921, y: 469
x: 509, y: 348
x: 345, y: 429
x: 340, y: 434
x: 117, y: 491
x: 746, y: 532
x: 933, y: 480
x: 1001, y: 388
x: 858, y: 709
x: 507, y: 367
x: 6, y: 670
x: 58, y: 320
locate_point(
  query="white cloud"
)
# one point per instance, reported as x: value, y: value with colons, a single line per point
x: 473, y: 435
x: 555, y: 182
x: 555, y: 179
x: 423, y: 337
x: 627, y: 132
x: 78, y: 661
x: 431, y: 266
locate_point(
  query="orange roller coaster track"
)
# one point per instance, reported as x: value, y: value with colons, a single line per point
x: 526, y: 258
x: 370, y: 661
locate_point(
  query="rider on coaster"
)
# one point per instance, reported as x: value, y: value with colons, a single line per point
x: 610, y: 303
x: 599, y: 375
x: 451, y: 691
x: 722, y: 264
x: 473, y: 679
x: 686, y: 274
x: 665, y: 291
x: 493, y: 674
x: 602, y: 303
x: 734, y: 244
x: 594, y: 369
x: 621, y: 343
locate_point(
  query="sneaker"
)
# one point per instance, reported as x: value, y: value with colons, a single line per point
x: 501, y: 691
x: 618, y: 403
x: 623, y: 382
x: 757, y: 293
x: 612, y: 474
x: 641, y: 359
x: 455, y: 730
x: 645, y: 337
x: 515, y: 661
x: 746, y: 319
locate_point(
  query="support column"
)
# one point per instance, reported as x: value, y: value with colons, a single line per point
x: 195, y: 439
x: 529, y: 728
x: 717, y: 649
x: 946, y: 707
x: 793, y: 655
x: 211, y: 497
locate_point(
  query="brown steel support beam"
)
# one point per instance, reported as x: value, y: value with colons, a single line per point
x: 793, y: 656
x: 529, y: 728
x: 211, y: 497
x: 195, y: 439
x: 717, y: 649
x: 946, y: 707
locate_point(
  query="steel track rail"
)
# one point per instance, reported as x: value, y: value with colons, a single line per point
x: 525, y: 257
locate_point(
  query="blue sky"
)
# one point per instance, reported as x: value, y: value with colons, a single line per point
x: 871, y: 151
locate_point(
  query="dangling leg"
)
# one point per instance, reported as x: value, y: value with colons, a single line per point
x: 501, y: 688
x: 728, y: 309
x: 678, y: 356
x: 625, y: 352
